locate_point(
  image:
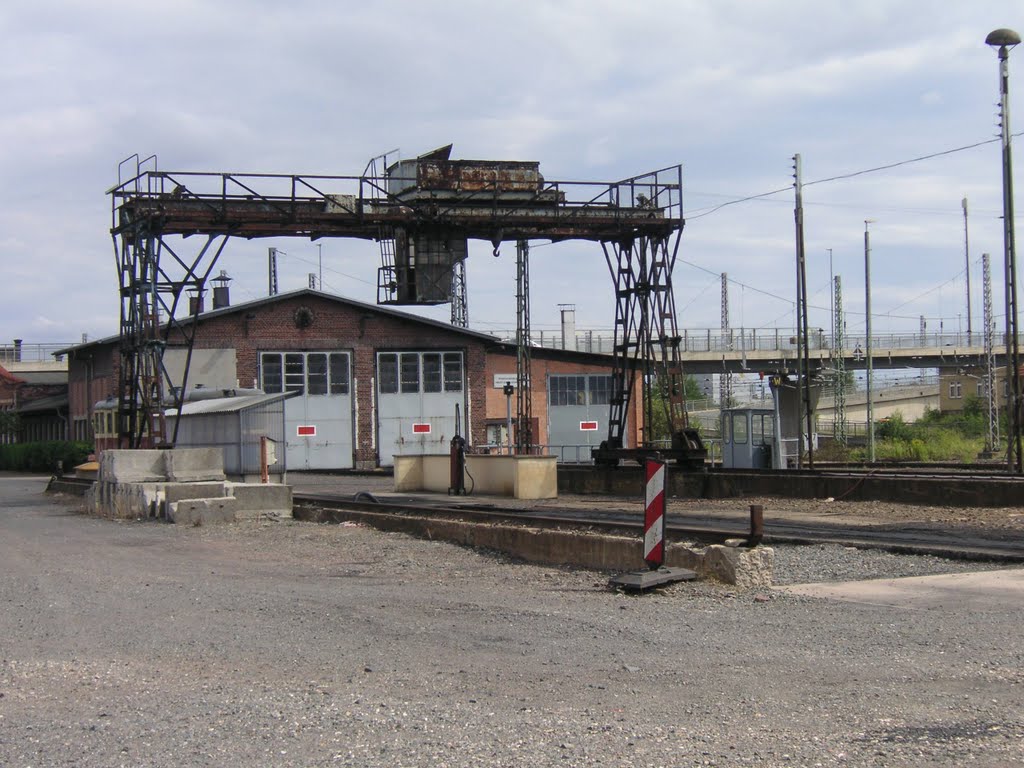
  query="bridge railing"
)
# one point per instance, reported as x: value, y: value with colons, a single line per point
x: 601, y: 341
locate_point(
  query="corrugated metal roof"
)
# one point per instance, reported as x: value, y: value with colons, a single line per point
x: 228, y: 404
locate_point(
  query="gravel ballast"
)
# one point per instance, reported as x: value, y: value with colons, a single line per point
x: 294, y: 644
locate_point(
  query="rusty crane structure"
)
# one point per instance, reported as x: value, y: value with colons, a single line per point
x: 170, y: 228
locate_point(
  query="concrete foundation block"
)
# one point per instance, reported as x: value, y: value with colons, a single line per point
x: 131, y: 466
x: 202, y: 511
x: 256, y: 500
x: 194, y: 465
x: 182, y: 491
x: 746, y: 568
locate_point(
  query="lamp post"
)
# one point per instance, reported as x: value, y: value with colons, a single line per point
x: 867, y: 337
x: 1003, y: 40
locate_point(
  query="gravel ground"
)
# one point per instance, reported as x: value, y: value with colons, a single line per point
x: 292, y: 644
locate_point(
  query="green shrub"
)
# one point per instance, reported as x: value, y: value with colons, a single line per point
x: 43, y: 457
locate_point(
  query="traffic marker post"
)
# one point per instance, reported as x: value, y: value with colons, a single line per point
x: 654, y: 546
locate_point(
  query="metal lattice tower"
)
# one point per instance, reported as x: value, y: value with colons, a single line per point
x: 839, y: 422
x: 272, y: 287
x: 647, y: 344
x: 460, y: 296
x: 725, y: 378
x: 991, y: 400
x: 150, y: 297
x: 524, y: 403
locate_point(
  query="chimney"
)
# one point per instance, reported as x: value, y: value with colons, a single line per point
x: 195, y: 302
x: 221, y: 297
x: 568, y: 326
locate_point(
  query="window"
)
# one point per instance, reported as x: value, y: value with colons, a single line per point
x: 762, y: 429
x: 413, y: 372
x: 387, y: 370
x: 600, y: 390
x: 294, y: 372
x: 452, y: 371
x: 567, y: 390
x: 739, y: 428
x: 316, y: 374
x: 431, y: 371
x: 270, y: 370
x: 410, y: 373
x: 956, y: 390
x: 339, y: 374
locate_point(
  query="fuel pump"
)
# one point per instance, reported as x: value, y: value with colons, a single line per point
x: 457, y: 460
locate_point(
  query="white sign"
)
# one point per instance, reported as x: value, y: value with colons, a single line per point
x: 501, y: 379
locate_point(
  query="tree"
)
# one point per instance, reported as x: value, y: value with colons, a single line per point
x: 658, y: 429
x: 8, y: 424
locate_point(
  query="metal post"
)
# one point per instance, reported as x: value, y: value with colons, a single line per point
x: 509, y: 390
x: 1004, y: 39
x: 967, y: 270
x: 803, y: 344
x: 867, y: 335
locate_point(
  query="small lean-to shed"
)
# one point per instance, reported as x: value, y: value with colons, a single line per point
x: 235, y: 421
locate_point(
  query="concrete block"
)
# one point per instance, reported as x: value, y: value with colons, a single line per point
x: 202, y: 511
x: 126, y: 500
x: 131, y: 466
x: 746, y: 568
x: 255, y: 500
x: 194, y: 465
x: 182, y: 491
x: 536, y: 477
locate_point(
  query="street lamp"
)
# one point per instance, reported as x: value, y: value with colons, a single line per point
x: 1003, y: 40
x: 867, y: 337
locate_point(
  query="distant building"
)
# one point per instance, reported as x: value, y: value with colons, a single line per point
x: 39, y: 401
x: 373, y: 382
x: 958, y: 384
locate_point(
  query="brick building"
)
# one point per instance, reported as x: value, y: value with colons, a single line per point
x: 39, y: 400
x: 374, y: 382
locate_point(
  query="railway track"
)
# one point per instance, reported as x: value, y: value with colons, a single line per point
x: 966, y: 544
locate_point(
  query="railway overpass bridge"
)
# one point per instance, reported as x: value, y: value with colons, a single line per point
x: 750, y: 351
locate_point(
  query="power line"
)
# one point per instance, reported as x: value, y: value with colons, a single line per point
x: 842, y: 176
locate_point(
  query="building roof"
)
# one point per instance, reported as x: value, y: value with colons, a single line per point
x: 41, y: 404
x: 249, y: 306
x: 43, y: 377
x: 228, y: 404
x: 7, y: 377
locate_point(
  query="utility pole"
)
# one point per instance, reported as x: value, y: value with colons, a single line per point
x: 988, y: 316
x: 967, y: 270
x: 867, y: 337
x: 725, y: 380
x: 803, y: 343
x: 839, y: 358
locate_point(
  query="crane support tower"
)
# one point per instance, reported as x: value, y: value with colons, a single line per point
x: 423, y: 212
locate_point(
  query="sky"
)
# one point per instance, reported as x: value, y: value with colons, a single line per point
x: 593, y: 90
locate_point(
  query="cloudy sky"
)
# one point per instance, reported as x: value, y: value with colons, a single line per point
x: 593, y: 90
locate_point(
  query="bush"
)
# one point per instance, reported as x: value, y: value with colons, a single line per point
x: 43, y: 457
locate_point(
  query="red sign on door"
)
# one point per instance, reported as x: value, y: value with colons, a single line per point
x: 421, y: 429
x: 588, y: 426
x: 306, y: 430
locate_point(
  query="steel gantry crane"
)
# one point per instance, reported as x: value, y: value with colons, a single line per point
x: 422, y: 211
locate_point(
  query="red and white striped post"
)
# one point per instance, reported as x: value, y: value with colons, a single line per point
x: 654, y: 513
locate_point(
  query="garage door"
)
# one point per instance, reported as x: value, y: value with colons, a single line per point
x: 417, y: 393
x: 578, y: 411
x: 318, y: 423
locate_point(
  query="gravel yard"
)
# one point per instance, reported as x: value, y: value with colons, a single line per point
x: 294, y: 644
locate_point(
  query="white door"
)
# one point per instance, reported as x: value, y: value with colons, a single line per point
x: 318, y: 423
x: 417, y: 396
